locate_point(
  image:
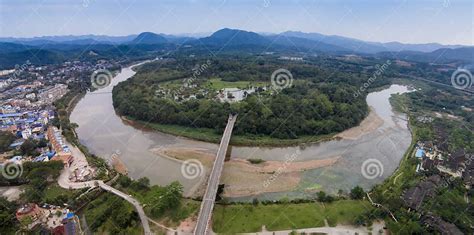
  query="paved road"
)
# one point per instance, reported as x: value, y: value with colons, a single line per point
x: 135, y: 203
x: 64, y: 182
x: 202, y: 226
x: 321, y: 230
x: 376, y: 228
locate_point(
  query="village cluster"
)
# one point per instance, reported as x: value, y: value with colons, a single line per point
x: 52, y: 219
x: 442, y: 168
x: 27, y: 113
x: 193, y: 91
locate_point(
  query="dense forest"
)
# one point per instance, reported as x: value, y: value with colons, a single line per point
x: 320, y: 101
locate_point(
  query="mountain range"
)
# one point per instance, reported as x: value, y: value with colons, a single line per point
x: 234, y: 39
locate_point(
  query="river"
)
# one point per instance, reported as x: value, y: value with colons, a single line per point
x: 105, y: 134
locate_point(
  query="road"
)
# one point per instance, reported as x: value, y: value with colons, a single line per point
x: 100, y: 183
x: 207, y: 205
x: 79, y: 159
x: 135, y: 203
x: 338, y: 230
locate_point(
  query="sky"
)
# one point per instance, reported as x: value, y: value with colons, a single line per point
x: 407, y: 21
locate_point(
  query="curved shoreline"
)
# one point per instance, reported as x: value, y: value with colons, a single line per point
x: 104, y: 132
x: 236, y: 140
x: 370, y: 123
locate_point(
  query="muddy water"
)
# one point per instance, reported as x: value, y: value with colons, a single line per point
x: 104, y: 133
x: 387, y: 145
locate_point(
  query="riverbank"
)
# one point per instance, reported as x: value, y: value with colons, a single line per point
x: 371, y: 123
x: 210, y: 136
x: 243, y: 178
x: 372, y: 139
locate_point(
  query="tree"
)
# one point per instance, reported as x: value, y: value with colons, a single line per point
x: 42, y: 143
x: 29, y: 148
x: 357, y: 193
x: 340, y: 193
x: 124, y: 181
x: 166, y: 198
x: 141, y: 184
x: 172, y: 197
x: 321, y: 196
x: 255, y: 202
x: 6, y: 138
x: 7, y: 216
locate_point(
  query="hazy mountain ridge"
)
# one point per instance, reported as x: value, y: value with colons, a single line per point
x: 238, y: 37
x: 18, y: 50
x: 228, y: 36
x: 149, y: 38
x: 361, y: 46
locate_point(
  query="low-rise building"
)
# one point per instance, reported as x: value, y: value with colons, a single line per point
x: 49, y: 95
x: 415, y: 196
x: 63, y: 153
x: 439, y: 225
x: 29, y: 211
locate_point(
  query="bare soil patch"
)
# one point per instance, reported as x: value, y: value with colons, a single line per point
x: 368, y: 125
x: 243, y: 178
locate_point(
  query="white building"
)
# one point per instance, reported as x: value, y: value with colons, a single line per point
x: 25, y: 134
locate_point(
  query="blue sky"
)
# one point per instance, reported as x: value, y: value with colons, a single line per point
x: 410, y: 21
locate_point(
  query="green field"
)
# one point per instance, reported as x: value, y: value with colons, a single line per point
x: 53, y: 192
x: 250, y: 218
x: 217, y: 84
x: 110, y: 214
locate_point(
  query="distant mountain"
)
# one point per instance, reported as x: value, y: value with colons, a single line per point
x: 425, y: 47
x: 58, y: 48
x: 304, y: 45
x: 9, y: 60
x: 350, y: 44
x: 69, y: 39
x: 149, y: 38
x: 233, y: 37
x: 443, y: 55
x: 177, y: 39
x: 7, y: 47
x: 360, y: 46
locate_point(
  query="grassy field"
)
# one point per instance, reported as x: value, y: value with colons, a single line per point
x: 209, y: 135
x: 52, y: 192
x: 217, y: 84
x: 249, y: 218
x: 110, y: 214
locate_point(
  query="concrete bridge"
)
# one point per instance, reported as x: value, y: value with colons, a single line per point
x: 207, y: 205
